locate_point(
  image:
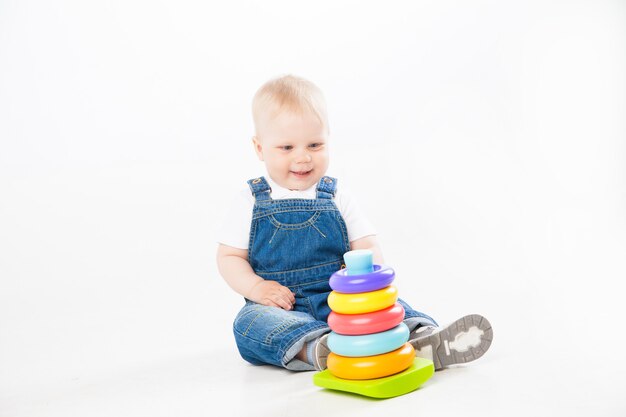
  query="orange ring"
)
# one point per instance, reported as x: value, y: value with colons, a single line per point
x: 371, y: 367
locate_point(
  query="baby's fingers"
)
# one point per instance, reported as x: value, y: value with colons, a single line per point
x: 290, y: 296
x: 277, y: 300
x: 270, y: 303
x: 283, y: 302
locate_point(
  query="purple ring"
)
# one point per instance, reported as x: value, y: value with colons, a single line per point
x: 382, y: 276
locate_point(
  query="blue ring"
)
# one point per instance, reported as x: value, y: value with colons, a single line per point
x: 368, y: 344
x: 342, y: 282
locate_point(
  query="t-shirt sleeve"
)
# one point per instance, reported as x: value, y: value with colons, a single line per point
x: 235, y: 227
x: 356, y: 222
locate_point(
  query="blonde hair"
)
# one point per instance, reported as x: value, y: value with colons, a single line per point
x: 289, y: 93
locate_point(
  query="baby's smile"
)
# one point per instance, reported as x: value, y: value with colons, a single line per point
x: 301, y: 174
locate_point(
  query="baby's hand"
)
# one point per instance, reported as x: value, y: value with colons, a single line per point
x: 271, y: 293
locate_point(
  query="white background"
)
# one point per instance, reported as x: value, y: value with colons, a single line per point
x: 486, y: 140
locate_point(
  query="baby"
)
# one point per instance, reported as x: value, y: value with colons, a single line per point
x: 286, y: 234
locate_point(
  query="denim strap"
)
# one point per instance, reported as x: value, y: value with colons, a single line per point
x: 260, y: 189
x: 326, y: 187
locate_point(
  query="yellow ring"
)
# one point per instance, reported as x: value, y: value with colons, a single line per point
x: 362, y: 302
x: 371, y: 367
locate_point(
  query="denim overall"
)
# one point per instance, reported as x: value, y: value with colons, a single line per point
x: 299, y: 243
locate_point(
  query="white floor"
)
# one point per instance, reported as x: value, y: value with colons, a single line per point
x: 151, y: 358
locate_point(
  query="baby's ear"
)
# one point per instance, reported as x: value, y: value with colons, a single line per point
x: 258, y: 147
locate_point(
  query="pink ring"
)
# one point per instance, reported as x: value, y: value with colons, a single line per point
x: 366, y: 323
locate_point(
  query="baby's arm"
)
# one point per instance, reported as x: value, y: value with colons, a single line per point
x: 369, y: 242
x: 236, y: 270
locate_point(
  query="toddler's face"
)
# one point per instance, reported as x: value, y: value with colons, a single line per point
x: 294, y: 148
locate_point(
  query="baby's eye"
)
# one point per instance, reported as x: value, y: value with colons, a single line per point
x: 315, y: 145
x: 286, y: 147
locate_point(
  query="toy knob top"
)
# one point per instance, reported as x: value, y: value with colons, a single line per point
x: 359, y: 261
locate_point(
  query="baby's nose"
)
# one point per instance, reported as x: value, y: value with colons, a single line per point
x: 304, y: 157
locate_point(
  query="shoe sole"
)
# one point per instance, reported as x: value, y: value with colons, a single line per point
x: 464, y: 340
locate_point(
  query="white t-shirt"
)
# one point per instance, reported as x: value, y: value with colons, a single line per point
x: 235, y: 229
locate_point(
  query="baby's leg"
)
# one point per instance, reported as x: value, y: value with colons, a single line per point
x: 414, y: 319
x: 464, y: 340
x: 271, y: 335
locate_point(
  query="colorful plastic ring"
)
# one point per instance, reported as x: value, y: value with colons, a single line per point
x: 371, y: 367
x: 368, y: 344
x: 344, y: 282
x: 366, y: 323
x: 364, y: 302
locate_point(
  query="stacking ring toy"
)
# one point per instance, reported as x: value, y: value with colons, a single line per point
x: 369, y: 344
x: 346, y: 282
x: 364, y: 302
x: 371, y: 367
x: 376, y: 321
